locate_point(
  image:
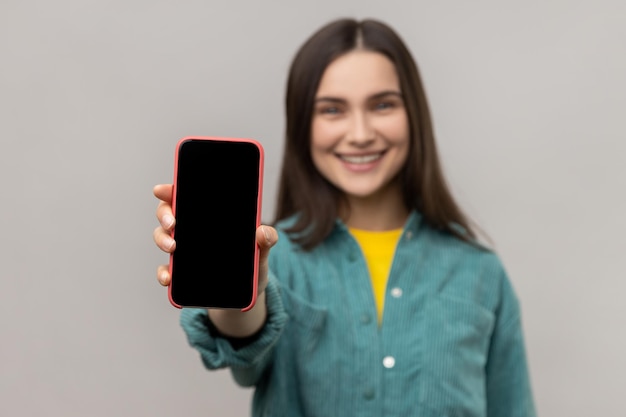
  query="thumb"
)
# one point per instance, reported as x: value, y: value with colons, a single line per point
x: 266, y: 237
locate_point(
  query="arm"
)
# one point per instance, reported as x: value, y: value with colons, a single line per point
x: 234, y: 323
x: 248, y: 362
x: 267, y: 317
x: 508, y: 383
x: 228, y: 322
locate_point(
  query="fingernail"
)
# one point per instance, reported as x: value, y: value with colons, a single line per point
x: 169, y: 243
x: 163, y: 277
x: 267, y: 234
x: 168, y: 221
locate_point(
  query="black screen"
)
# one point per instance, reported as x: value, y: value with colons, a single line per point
x: 216, y: 210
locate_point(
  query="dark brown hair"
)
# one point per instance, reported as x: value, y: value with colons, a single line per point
x: 304, y: 191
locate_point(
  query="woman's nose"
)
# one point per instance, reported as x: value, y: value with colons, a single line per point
x: 361, y: 131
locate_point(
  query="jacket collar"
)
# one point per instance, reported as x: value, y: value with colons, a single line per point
x: 412, y: 223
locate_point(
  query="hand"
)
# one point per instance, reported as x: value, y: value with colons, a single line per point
x: 162, y: 234
x: 266, y: 237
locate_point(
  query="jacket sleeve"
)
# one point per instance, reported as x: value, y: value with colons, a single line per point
x: 248, y: 363
x: 509, y: 392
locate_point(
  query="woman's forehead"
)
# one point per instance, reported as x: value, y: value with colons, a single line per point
x: 358, y: 74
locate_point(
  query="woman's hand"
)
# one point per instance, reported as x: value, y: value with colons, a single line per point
x: 266, y: 237
x: 228, y: 322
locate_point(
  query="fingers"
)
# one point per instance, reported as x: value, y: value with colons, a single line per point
x: 162, y: 234
x: 165, y: 215
x: 164, y: 210
x: 164, y: 240
x: 163, y: 192
x: 163, y: 275
x: 266, y: 237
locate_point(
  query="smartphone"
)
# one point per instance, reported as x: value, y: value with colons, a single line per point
x: 216, y: 201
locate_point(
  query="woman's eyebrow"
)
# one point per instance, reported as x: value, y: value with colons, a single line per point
x: 372, y: 97
x: 386, y: 93
x: 330, y: 99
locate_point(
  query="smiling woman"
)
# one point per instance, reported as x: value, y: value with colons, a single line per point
x: 374, y: 297
x: 356, y: 78
x: 360, y: 135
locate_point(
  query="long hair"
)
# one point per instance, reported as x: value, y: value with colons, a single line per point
x: 304, y: 191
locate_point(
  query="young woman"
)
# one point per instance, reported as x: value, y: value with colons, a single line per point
x: 375, y: 299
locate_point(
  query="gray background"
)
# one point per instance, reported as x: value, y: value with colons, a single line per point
x: 528, y: 101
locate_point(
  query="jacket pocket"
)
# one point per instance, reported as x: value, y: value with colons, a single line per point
x: 306, y: 360
x: 305, y: 326
x: 455, y: 346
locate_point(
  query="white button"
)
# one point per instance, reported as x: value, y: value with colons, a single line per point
x: 409, y: 235
x: 396, y: 292
x: 389, y: 362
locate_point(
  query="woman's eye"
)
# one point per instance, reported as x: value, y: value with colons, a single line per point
x: 383, y: 105
x: 330, y: 110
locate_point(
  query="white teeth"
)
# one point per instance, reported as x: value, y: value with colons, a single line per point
x: 361, y: 159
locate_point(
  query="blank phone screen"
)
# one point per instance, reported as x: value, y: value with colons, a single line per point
x: 217, y: 194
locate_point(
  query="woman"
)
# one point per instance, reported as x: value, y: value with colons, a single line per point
x: 375, y: 299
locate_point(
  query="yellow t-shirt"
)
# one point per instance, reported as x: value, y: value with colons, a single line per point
x: 378, y: 249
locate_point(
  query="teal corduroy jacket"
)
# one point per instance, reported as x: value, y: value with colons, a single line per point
x: 450, y: 342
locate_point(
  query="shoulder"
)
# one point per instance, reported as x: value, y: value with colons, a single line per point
x: 459, y: 245
x: 465, y: 237
x: 466, y: 269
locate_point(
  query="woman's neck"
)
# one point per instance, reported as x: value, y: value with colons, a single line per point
x: 383, y: 211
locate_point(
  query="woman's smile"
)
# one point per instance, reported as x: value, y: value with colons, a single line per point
x: 361, y: 162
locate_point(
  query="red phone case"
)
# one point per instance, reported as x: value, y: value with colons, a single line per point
x: 258, y: 219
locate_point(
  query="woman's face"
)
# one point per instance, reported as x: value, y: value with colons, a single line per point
x: 360, y: 129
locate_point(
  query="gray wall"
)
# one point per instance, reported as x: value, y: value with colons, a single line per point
x: 528, y: 101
